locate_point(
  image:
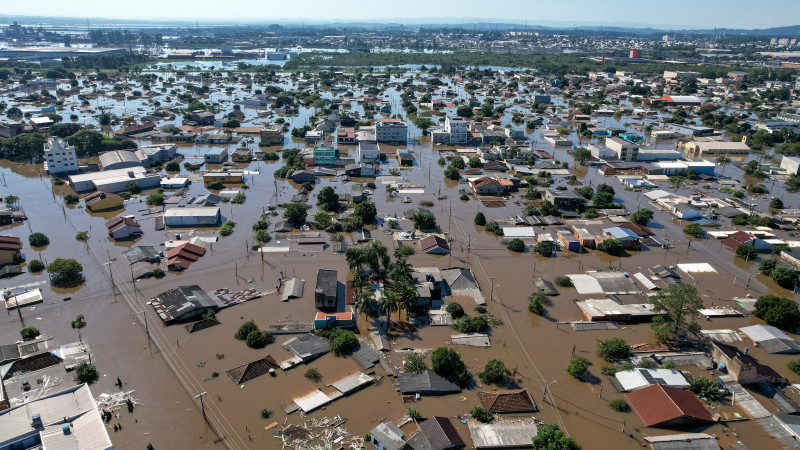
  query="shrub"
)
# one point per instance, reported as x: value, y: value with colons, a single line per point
x: 746, y: 252
x: 343, y: 342
x: 266, y: 413
x: 173, y: 166
x: 155, y: 199
x: 612, y: 246
x: 38, y: 239
x: 536, y: 303
x: 159, y: 273
x: 516, y: 245
x: 263, y: 236
x: 590, y: 213
x: 413, y: 413
x: 618, y: 405
x: 424, y: 221
x: 642, y: 217
x: 563, y: 281
x: 626, y: 366
x: 313, y: 375
x: 86, y: 372
x: 776, y: 203
x: 28, y: 333
x: 480, y: 309
x: 740, y: 219
x: 608, y: 371
x: 492, y: 226
x: 259, y: 339
x: 480, y: 219
x: 82, y: 236
x: 579, y: 367
x: 493, y: 372
x: 669, y: 365
x: 414, y: 364
x: 794, y: 366
x: 134, y: 188
x: 227, y: 228
x: 71, y: 199
x: 455, y: 310
x: 245, y: 329
x: 215, y: 186
x: 694, y: 230
x: 544, y: 248
x: 481, y: 415
x: 706, y: 388
x: 613, y: 349
x: 471, y: 324
x: 35, y: 266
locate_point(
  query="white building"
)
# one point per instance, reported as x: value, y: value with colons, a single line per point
x: 192, y: 217
x: 631, y: 380
x: 791, y: 164
x: 457, y: 127
x: 368, y: 152
x: 391, y: 130
x: 114, y: 180
x: 625, y: 150
x: 59, y: 157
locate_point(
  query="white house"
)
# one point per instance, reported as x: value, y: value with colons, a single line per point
x: 685, y: 211
x: 192, y: 217
x: 59, y: 157
x: 391, y: 130
x: 457, y: 128
x: 368, y: 152
x: 631, y: 380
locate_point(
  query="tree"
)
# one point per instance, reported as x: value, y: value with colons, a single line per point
x: 516, y: 245
x: 605, y: 189
x: 104, y: 118
x: 767, y: 265
x: 548, y: 208
x: 38, y: 239
x: 11, y: 200
x: 263, y: 236
x: 694, y: 230
x: 328, y: 199
x: 366, y: 211
x: 155, y: 199
x: 455, y: 310
x: 474, y: 162
x: 613, y: 349
x: 642, y: 217
x: 388, y: 303
x: 322, y: 219
x: 784, y: 276
x: 740, y: 219
x: 746, y: 252
x: 296, y: 213
x: 776, y: 203
x: 481, y: 415
x: 603, y: 200
x: 471, y: 324
x: 581, y: 155
x: 464, y: 111
x: 35, y: 266
x: 563, y: 281
x: 550, y: 437
x: 544, y: 248
x: 779, y: 312
x: 536, y: 303
x: 29, y: 333
x: 706, y: 388
x: 493, y: 372
x: 423, y: 220
x: 618, y: 405
x: 413, y: 414
x: 173, y: 166
x: 612, y: 246
x: 259, y: 339
x: 679, y: 305
x: 134, y: 188
x: 447, y: 363
x: 71, y: 199
x: 65, y: 271
x: 415, y: 364
x: 480, y: 219
x: 86, y: 372
x: 585, y: 191
x: 245, y: 329
x: 79, y: 322
x: 343, y: 342
x: 579, y: 367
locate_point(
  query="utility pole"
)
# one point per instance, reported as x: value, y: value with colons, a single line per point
x: 491, y: 293
x: 202, y: 406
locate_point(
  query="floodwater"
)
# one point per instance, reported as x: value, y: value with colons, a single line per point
x: 172, y: 366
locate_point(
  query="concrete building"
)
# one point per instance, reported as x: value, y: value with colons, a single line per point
x: 114, y: 180
x: 216, y: 155
x: 714, y: 147
x: 59, y: 157
x: 202, y: 118
x: 624, y: 149
x: 121, y: 159
x: 159, y: 153
x: 368, y: 152
x: 102, y: 201
x: 391, y: 130
x: 123, y: 228
x: 9, y: 129
x: 742, y: 367
x: 326, y: 293
x: 457, y: 128
x: 192, y: 217
x: 272, y: 135
x: 324, y: 157
x: 791, y: 164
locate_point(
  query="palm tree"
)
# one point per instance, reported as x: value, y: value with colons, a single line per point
x: 354, y: 258
x: 376, y: 256
x: 363, y: 303
x: 388, y: 304
x: 723, y: 160
x: 401, y: 270
x: 406, y: 295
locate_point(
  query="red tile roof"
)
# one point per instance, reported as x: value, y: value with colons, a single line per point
x: 184, y: 255
x: 662, y: 405
x: 510, y: 401
x: 118, y: 222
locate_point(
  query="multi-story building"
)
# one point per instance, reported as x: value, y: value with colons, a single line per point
x: 625, y: 150
x: 59, y: 157
x: 368, y: 152
x: 11, y: 129
x: 324, y: 157
x: 457, y: 127
x: 272, y: 136
x: 791, y: 164
x: 391, y: 130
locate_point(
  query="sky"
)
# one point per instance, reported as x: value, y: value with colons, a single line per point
x: 671, y: 14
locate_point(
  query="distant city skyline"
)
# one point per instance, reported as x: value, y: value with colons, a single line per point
x: 676, y: 14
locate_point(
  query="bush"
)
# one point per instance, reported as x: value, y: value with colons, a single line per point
x: 313, y: 375
x: 493, y: 227
x: 266, y: 413
x: 618, y: 405
x: 590, y: 213
x: 64, y: 272
x: 82, y: 236
x: 28, y: 333
x: 227, y: 228
x: 471, y: 324
x: 608, y: 371
x: 413, y: 413
x: 263, y: 236
x: 343, y: 342
x: 550, y: 437
x: 481, y: 415
x: 776, y: 203
x: 215, y: 186
x: 516, y: 245
x: 424, y: 221
x: 563, y: 281
x: 155, y: 199
x: 694, y: 230
x: 38, y: 240
x: 612, y: 246
x: 544, y: 248
x: 705, y: 388
x: 613, y: 349
x: 767, y: 265
x: 455, y: 310
x: 35, y: 266
x: 740, y: 219
x: 669, y: 365
x: 642, y: 217
x: 493, y: 372
x: 259, y: 339
x: 414, y: 364
x: 536, y: 303
x: 480, y: 219
x: 239, y: 198
x: 71, y: 199
x: 173, y: 166
x: 579, y: 367
x: 86, y: 372
x: 134, y: 188
x: 245, y: 329
x: 480, y: 309
x: 794, y: 366
x: 159, y: 273
x: 777, y: 311
x: 447, y: 363
x: 746, y: 252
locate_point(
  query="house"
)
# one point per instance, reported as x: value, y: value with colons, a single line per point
x: 434, y: 245
x: 10, y: 250
x: 507, y: 434
x: 426, y: 382
x: 628, y: 238
x: 693, y: 441
x: 192, y: 217
x: 568, y: 241
x: 334, y: 320
x: 631, y: 380
x: 184, y: 303
x: 202, y: 118
x: 791, y: 164
x: 387, y: 436
x: 325, y: 156
x: 346, y: 136
x: 507, y: 401
x: 487, y: 186
x: 123, y: 228
x: 134, y: 129
x: 742, y: 237
x: 391, y: 130
x: 326, y: 293
x: 304, y: 176
x: 563, y: 199
x: 686, y: 211
x: 680, y: 100
x: 438, y: 434
x: 216, y: 155
x: 224, y: 176
x: 368, y: 152
x: 253, y: 369
x: 272, y: 135
x: 102, y: 201
x: 174, y: 182
x: 182, y: 256
x: 405, y: 157
x: 59, y: 157
x: 664, y: 406
x: 742, y: 367
x: 242, y: 155
x: 314, y: 136
x: 771, y: 339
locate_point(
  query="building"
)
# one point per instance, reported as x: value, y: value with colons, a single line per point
x: 634, y: 379
x: 49, y: 53
x: 9, y: 129
x: 326, y: 293
x: 387, y: 436
x: 742, y: 367
x: 693, y: 441
x: 121, y: 159
x: 686, y: 211
x: 182, y: 256
x: 680, y: 100
x: 744, y: 238
x: 681, y: 76
x: 690, y: 130
x: 216, y: 155
x: 426, y: 382
x: 439, y: 434
x: 123, y: 228
x: 114, y: 180
x: 791, y: 164
x: 226, y: 176
x: 487, y: 186
x: 771, y: 339
x: 184, y: 303
x: 715, y: 147
x: 159, y: 153
x: 507, y: 401
x: 563, y: 199
x: 134, y: 130
x: 457, y: 129
x: 541, y: 99
x: 272, y: 136
x: 10, y: 250
x: 325, y: 156
x: 59, y: 157
x: 368, y: 152
x: 625, y: 150
x: 434, y: 245
x: 242, y: 155
x: 334, y: 320
x: 65, y: 419
x: 202, y: 118
x: 102, y: 201
x: 405, y: 157
x: 516, y: 434
x: 391, y: 130
x: 664, y: 406
x: 192, y: 217
x: 346, y: 136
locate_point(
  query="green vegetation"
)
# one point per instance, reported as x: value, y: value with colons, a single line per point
x: 227, y: 228
x: 29, y: 333
x: 471, y: 324
x: 343, y: 342
x: 86, y: 372
x: 550, y: 437
x: 259, y: 339
x: 746, y: 252
x: 563, y: 281
x: 65, y: 272
x: 694, y: 230
x: 155, y: 199
x: 35, y: 266
x: 705, y: 388
x: 612, y: 246
x: 328, y: 199
x: 455, y: 310
x: 239, y: 198
x: 613, y: 349
x: 366, y: 211
x: 642, y: 217
x: 794, y: 366
x: 678, y: 305
x: 172, y: 166
x: 618, y: 405
x: 480, y: 219
x: 544, y: 248
x: 266, y: 413
x: 779, y: 312
x: 481, y: 415
x: 516, y: 245
x: 413, y: 414
x: 494, y: 372
x: 82, y: 236
x: 71, y: 199
x: 263, y: 236
x: 579, y: 367
x: 38, y: 239
x: 447, y: 363
x: 423, y: 221
x: 536, y: 303
x: 414, y: 364
x: 296, y: 214
x: 245, y: 329
x: 313, y: 375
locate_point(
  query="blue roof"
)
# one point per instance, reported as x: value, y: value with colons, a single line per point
x: 621, y: 233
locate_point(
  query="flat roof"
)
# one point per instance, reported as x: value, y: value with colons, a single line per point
x: 192, y: 212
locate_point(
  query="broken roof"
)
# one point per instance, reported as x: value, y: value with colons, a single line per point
x: 508, y: 401
x: 247, y: 372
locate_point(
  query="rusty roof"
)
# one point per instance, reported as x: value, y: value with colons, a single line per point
x: 508, y: 401
x: 247, y: 372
